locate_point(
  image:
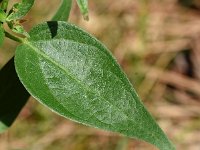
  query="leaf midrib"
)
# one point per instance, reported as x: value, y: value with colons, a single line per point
x: 84, y: 87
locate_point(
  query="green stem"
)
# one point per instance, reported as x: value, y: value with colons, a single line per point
x: 63, y: 11
x: 12, y: 37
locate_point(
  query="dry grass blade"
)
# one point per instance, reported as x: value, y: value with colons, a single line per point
x: 61, y: 131
x: 177, y: 80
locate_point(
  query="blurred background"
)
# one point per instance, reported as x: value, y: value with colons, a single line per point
x: 157, y: 43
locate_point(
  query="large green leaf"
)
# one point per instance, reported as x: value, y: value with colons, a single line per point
x: 62, y: 13
x: 19, y: 10
x: 75, y: 75
x: 13, y: 95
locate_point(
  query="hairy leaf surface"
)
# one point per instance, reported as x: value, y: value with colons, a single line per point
x: 63, y: 12
x: 75, y: 75
x: 19, y: 10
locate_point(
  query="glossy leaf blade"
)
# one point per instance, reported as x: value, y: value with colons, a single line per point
x: 20, y: 9
x: 63, y: 11
x: 13, y: 95
x: 75, y: 75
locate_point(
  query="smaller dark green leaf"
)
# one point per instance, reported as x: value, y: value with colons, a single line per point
x: 17, y: 28
x: 2, y: 35
x: 83, y: 5
x: 13, y: 95
x: 2, y: 16
x: 19, y: 10
x: 20, y: 30
x: 4, y: 5
x: 62, y: 13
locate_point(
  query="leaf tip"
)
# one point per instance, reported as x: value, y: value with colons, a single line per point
x: 86, y: 17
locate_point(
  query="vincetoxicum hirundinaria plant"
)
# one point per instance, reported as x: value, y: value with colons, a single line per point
x: 73, y: 74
